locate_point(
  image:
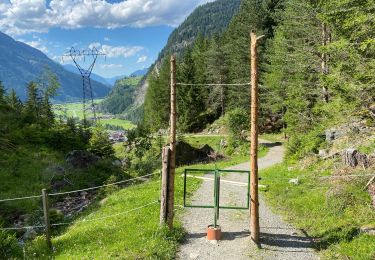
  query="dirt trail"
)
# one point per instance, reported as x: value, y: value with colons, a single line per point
x: 279, y: 240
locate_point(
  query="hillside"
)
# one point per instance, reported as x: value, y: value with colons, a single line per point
x: 20, y: 64
x: 121, y: 96
x: 206, y: 20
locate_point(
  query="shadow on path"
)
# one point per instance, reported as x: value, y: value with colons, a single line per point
x: 283, y: 240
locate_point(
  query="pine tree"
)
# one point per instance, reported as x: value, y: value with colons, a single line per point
x: 157, y: 100
x: 99, y: 143
x: 293, y: 70
x: 14, y: 102
x: 32, y: 104
x: 2, y: 93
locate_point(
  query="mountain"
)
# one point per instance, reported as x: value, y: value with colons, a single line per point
x: 139, y: 73
x: 21, y: 63
x: 96, y: 77
x: 206, y: 20
x: 113, y: 80
x: 121, y: 96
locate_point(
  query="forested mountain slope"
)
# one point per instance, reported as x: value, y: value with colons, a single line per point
x: 316, y: 65
x: 20, y: 64
x: 207, y: 20
x: 121, y: 96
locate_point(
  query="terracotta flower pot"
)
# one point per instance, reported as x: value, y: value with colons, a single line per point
x: 213, y: 233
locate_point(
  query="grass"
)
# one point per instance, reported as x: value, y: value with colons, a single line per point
x: 331, y: 212
x: 24, y: 174
x: 135, y: 235
x: 75, y: 110
x: 126, y: 124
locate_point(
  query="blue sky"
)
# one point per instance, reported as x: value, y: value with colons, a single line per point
x: 130, y: 32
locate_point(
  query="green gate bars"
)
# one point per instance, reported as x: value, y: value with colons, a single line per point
x: 216, y: 205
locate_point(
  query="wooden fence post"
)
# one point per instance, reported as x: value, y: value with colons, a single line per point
x: 172, y: 145
x: 254, y: 206
x: 164, y: 185
x: 46, y: 218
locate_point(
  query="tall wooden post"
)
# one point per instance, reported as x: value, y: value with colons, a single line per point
x: 164, y: 185
x: 46, y: 218
x: 172, y: 145
x: 254, y: 205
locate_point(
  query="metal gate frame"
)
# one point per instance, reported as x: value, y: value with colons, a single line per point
x: 217, y: 174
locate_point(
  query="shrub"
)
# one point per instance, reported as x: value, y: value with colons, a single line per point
x: 9, y: 247
x: 99, y: 143
x: 237, y: 120
x: 38, y: 249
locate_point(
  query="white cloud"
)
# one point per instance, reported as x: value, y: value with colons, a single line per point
x: 142, y: 59
x: 37, y: 43
x: 106, y: 39
x: 111, y: 66
x: 116, y: 51
x: 24, y: 16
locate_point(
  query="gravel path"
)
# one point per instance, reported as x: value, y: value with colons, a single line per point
x: 279, y: 240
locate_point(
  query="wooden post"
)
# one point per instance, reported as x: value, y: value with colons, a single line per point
x: 172, y: 145
x: 254, y: 205
x: 164, y: 185
x: 46, y: 218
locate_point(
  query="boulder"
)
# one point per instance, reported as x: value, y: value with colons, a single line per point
x: 294, y: 181
x: 370, y: 229
x: 333, y: 134
x: 29, y: 235
x: 55, y: 170
x: 186, y: 154
x: 81, y: 159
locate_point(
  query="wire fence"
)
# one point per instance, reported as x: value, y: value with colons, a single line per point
x: 77, y: 191
x: 214, y: 84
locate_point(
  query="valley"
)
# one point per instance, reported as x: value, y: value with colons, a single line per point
x: 208, y: 90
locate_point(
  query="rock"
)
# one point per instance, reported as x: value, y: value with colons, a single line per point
x: 333, y: 134
x: 117, y: 163
x: 323, y: 153
x: 368, y: 230
x: 55, y: 169
x: 125, y: 163
x: 30, y: 234
x: 81, y: 159
x: 186, y: 154
x: 223, y: 143
x: 294, y: 181
x: 83, y: 194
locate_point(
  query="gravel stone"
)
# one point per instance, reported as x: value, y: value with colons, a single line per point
x: 279, y: 240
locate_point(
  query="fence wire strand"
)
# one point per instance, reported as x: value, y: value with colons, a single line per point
x: 101, y: 186
x: 84, y: 220
x: 21, y: 198
x: 213, y: 85
x: 107, y: 216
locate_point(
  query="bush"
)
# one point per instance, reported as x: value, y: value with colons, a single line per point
x: 99, y: 143
x: 304, y: 144
x: 38, y: 249
x: 237, y: 120
x: 9, y: 247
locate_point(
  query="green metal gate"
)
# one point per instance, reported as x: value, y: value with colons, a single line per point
x: 217, y: 178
